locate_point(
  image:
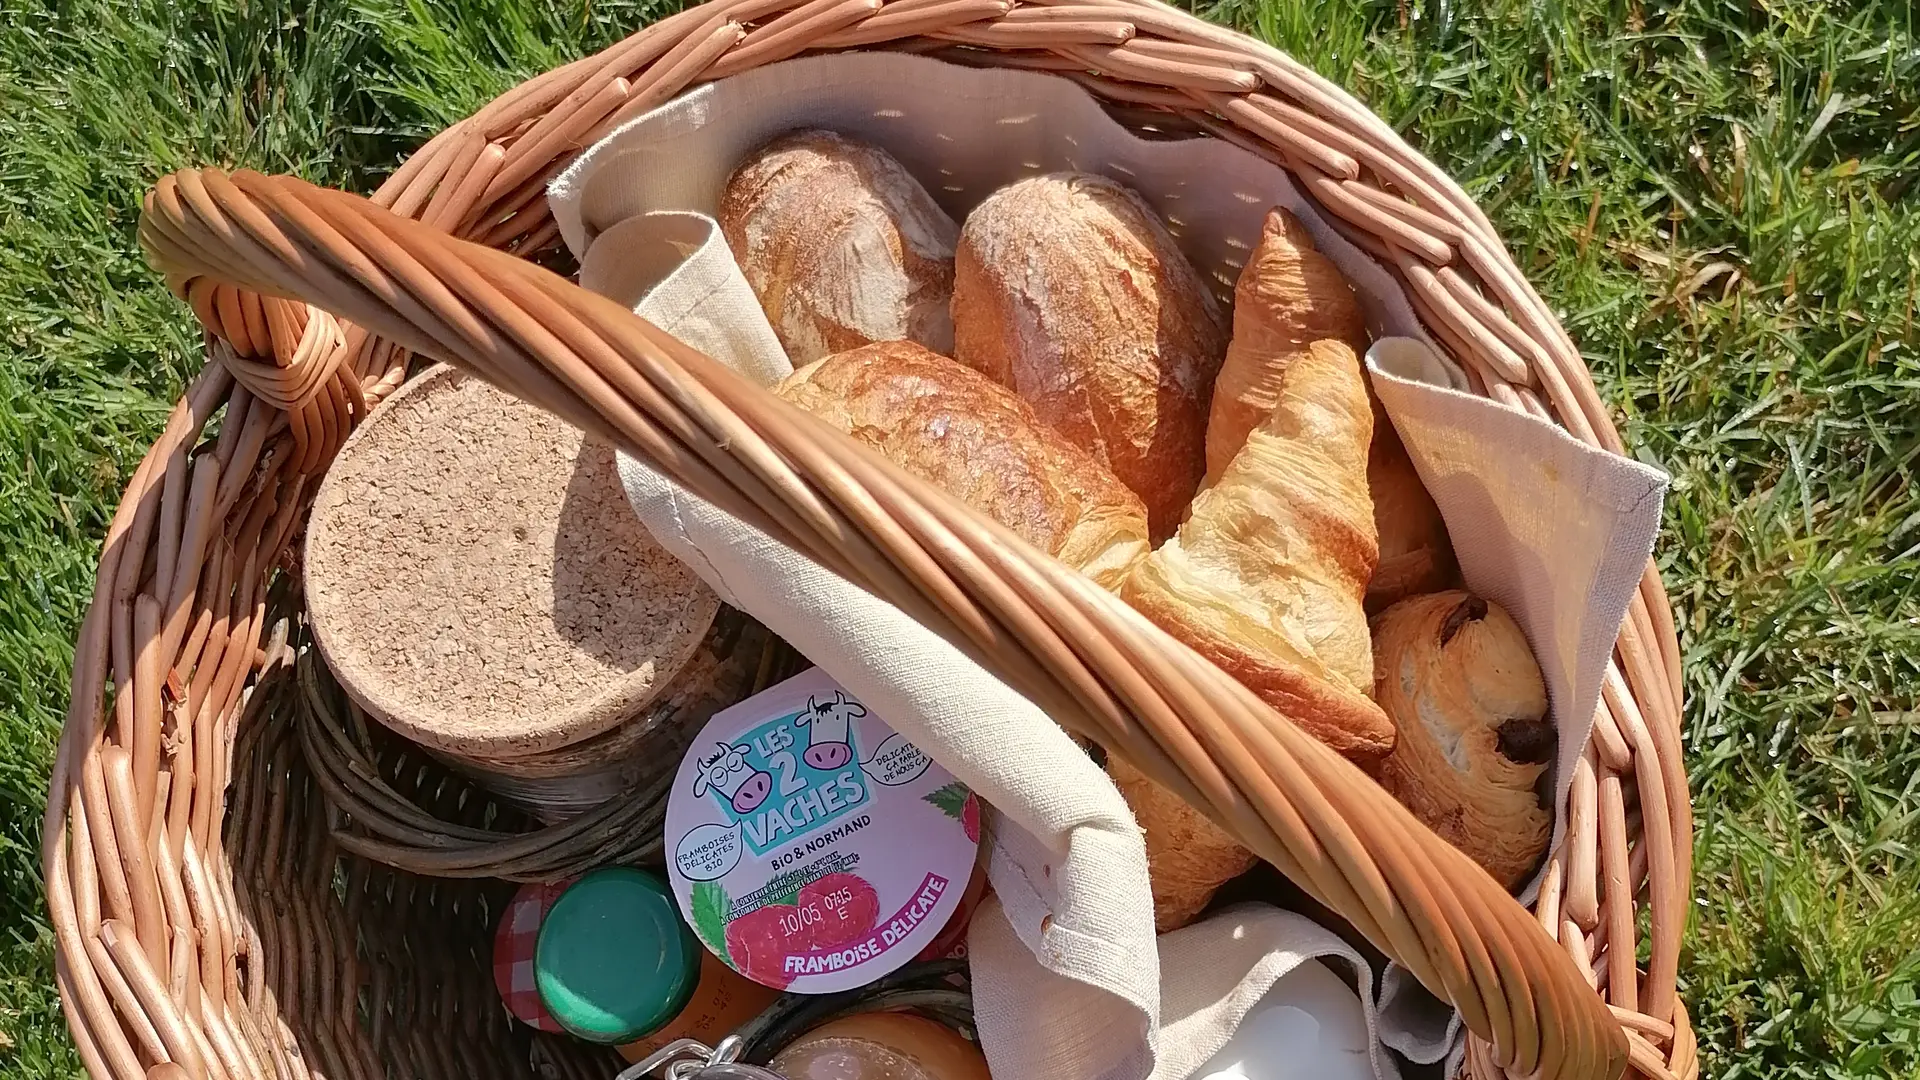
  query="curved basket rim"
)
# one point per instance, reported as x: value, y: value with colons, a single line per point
x: 281, y: 238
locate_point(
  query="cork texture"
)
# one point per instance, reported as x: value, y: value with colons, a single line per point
x: 477, y: 581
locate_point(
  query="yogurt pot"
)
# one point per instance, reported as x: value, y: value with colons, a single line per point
x: 812, y: 847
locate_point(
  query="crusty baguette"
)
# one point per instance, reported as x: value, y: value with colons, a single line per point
x: 1070, y: 290
x: 964, y: 432
x: 841, y: 244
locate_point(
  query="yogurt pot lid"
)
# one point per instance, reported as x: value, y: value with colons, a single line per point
x: 812, y: 847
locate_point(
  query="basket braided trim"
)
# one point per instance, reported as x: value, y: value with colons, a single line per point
x: 181, y: 600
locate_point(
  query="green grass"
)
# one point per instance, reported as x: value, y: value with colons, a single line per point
x: 1715, y: 194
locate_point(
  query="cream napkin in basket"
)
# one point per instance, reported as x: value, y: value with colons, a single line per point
x: 1066, y: 982
x: 675, y: 268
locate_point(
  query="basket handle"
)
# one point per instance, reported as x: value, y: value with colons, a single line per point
x: 1092, y: 663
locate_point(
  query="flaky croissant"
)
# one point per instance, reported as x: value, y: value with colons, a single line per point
x: 1188, y: 856
x: 1266, y: 576
x: 1288, y: 297
x: 1463, y: 689
x: 1265, y: 579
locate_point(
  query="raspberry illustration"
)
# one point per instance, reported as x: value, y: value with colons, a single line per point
x: 956, y: 801
x: 758, y: 946
x: 848, y: 908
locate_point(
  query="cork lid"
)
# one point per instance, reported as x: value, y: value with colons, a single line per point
x: 477, y: 580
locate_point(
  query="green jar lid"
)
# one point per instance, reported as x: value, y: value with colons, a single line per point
x: 614, y: 963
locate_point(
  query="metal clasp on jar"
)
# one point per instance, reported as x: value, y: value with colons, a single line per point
x: 691, y: 1059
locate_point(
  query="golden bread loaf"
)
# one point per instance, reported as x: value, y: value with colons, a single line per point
x: 1070, y: 290
x: 1416, y: 556
x: 841, y: 244
x: 1288, y: 297
x: 958, y: 429
x: 1465, y: 693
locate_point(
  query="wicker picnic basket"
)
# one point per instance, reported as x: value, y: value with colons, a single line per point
x: 215, y: 918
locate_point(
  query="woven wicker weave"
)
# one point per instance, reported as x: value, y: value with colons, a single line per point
x: 220, y: 951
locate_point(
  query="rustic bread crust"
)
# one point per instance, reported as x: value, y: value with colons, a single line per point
x: 954, y: 427
x: 1070, y: 290
x: 842, y: 246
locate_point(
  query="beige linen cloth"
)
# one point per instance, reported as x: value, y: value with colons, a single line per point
x: 1069, y: 981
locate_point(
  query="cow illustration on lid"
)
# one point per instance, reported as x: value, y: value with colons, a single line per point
x: 726, y: 772
x: 816, y: 863
x: 827, y: 746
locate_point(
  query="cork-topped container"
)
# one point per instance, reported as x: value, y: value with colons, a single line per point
x: 477, y: 582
